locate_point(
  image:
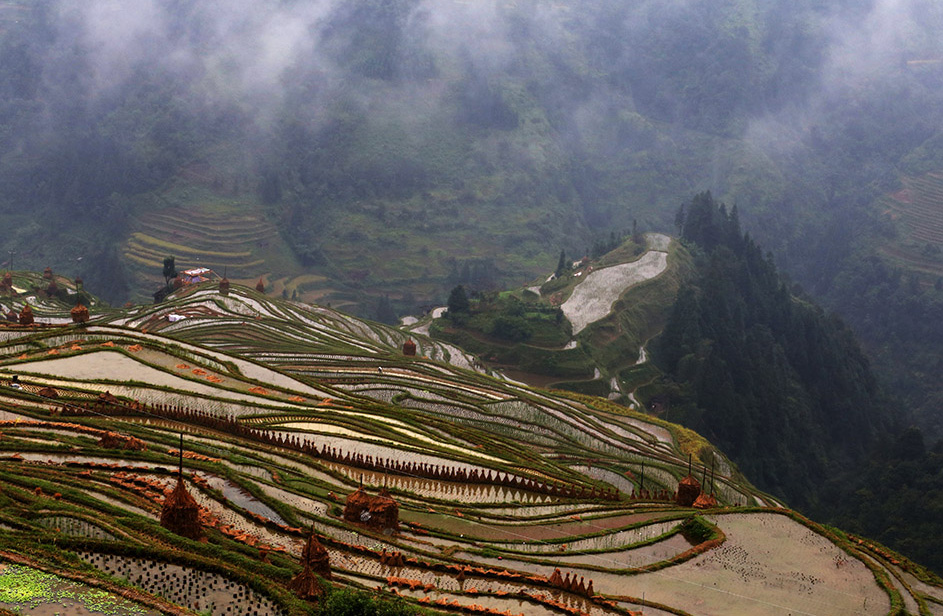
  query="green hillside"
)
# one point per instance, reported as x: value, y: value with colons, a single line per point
x: 374, y: 155
x: 585, y: 328
x: 917, y: 210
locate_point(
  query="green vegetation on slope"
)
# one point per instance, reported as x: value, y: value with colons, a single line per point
x: 785, y: 390
x: 769, y: 377
x: 527, y: 331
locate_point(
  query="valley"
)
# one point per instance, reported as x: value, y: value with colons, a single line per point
x: 641, y: 215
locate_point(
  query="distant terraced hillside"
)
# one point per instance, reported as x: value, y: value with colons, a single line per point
x: 230, y: 236
x: 918, y: 211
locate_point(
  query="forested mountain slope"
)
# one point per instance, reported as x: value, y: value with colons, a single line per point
x: 391, y: 142
x: 783, y: 386
x: 787, y: 391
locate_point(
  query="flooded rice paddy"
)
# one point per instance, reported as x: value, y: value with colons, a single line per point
x: 191, y: 588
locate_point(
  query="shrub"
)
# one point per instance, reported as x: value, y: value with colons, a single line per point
x: 353, y: 603
x: 697, y: 530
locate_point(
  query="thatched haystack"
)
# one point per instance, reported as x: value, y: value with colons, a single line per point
x: 79, y: 314
x: 306, y: 584
x: 48, y: 392
x: 315, y: 556
x: 316, y: 563
x: 26, y: 316
x: 705, y: 501
x: 115, y: 440
x: 380, y: 512
x: 181, y: 513
x: 689, y: 489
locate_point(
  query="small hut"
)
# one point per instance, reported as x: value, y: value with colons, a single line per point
x: 378, y: 512
x: 47, y: 273
x: 181, y: 513
x: 26, y: 316
x: 409, y: 348
x: 79, y: 313
x: 6, y: 283
x: 260, y: 285
x: 224, y: 286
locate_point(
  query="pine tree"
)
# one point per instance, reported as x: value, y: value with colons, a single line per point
x: 170, y: 269
x: 561, y: 263
x: 458, y: 302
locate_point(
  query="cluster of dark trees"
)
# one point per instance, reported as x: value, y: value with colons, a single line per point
x: 898, y: 315
x: 779, y: 385
x: 785, y: 390
x: 503, y: 319
x: 506, y: 318
x: 476, y: 274
x: 896, y: 498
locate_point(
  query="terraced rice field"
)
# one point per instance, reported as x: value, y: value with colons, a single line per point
x: 287, y: 410
x: 216, y: 239
x: 225, y: 235
x: 918, y: 211
x: 593, y: 298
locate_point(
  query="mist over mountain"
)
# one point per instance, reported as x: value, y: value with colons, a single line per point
x: 377, y: 153
x: 434, y: 135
